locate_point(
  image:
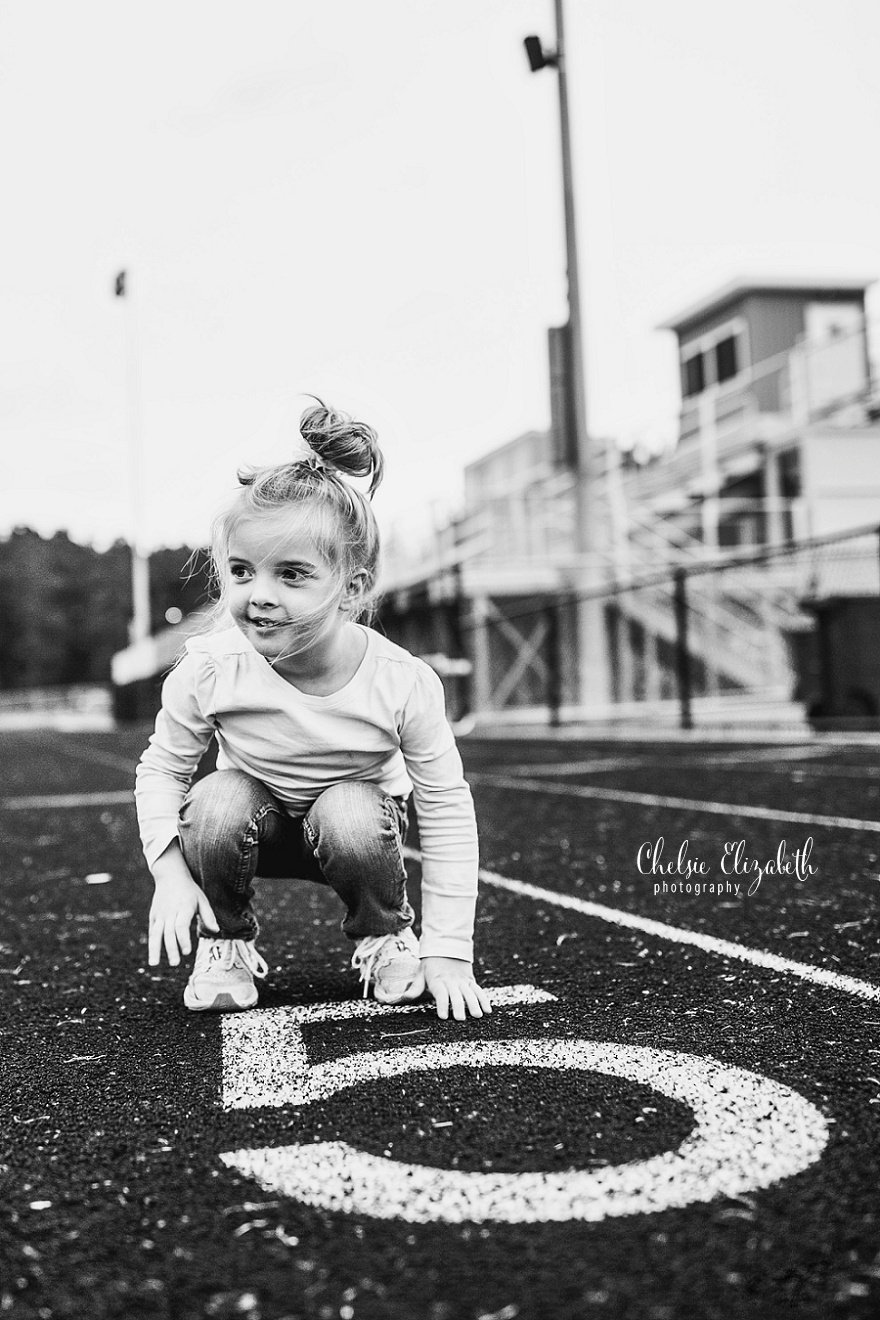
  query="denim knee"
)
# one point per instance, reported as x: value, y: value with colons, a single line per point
x: 224, y: 807
x: 353, y: 817
x: 356, y: 831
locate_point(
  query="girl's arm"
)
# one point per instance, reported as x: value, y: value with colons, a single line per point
x: 450, y: 855
x: 163, y: 777
x: 165, y: 771
x: 448, y: 835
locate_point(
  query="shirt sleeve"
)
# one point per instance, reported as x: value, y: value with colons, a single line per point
x: 182, y: 733
x: 447, y: 823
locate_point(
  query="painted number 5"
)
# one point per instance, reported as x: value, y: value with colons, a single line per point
x: 749, y: 1131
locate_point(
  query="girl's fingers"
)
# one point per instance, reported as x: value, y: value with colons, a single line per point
x: 182, y: 935
x: 171, y: 950
x: 154, y: 945
x: 441, y: 996
x: 154, y: 941
x: 472, y: 999
x: 460, y: 998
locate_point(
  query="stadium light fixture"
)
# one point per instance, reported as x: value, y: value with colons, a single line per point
x: 538, y: 57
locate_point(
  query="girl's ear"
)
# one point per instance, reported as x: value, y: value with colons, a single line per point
x: 354, y: 590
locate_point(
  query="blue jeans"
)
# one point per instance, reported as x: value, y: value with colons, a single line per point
x: 351, y: 838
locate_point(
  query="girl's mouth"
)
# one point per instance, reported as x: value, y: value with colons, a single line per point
x: 266, y: 625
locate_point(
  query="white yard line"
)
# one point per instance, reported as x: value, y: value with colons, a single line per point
x: 798, y: 753
x: 684, y: 804
x: 597, y: 764
x: 708, y: 943
x: 118, y: 798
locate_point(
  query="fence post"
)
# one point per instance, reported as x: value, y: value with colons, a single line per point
x: 682, y: 654
x: 554, y: 664
x: 459, y: 604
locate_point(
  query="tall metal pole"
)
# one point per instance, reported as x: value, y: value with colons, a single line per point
x: 594, y: 678
x: 682, y: 650
x: 139, y: 627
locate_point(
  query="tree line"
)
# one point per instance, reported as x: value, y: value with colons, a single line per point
x: 65, y: 608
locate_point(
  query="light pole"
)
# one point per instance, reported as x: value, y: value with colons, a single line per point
x: 139, y: 628
x: 593, y: 673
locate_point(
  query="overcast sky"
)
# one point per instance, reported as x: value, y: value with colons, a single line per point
x: 362, y: 198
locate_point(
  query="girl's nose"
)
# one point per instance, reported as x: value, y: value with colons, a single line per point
x: 263, y: 590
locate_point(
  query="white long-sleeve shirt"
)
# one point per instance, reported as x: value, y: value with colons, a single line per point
x: 387, y: 725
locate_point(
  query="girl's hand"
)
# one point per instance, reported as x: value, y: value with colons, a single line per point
x: 451, y: 982
x: 176, y: 902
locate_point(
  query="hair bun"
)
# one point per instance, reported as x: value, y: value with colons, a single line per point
x: 342, y: 443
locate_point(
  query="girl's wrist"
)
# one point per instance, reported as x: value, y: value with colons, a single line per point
x: 170, y: 867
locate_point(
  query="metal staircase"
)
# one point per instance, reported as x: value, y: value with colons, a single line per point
x: 738, y: 620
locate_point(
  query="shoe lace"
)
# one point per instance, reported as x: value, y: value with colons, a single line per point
x: 374, y: 952
x: 369, y: 952
x: 226, y: 953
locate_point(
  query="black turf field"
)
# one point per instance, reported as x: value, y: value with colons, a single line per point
x: 116, y: 1203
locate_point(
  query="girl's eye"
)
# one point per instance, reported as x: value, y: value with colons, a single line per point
x: 239, y: 572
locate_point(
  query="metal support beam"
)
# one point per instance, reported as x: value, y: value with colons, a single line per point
x: 682, y: 653
x: 554, y: 664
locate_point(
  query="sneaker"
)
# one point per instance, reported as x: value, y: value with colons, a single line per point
x: 223, y: 976
x: 392, y: 965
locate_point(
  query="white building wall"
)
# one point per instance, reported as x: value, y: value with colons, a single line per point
x: 840, y: 471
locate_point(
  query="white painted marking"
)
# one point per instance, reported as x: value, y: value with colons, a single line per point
x: 502, y: 996
x: 746, y: 757
x: 265, y: 1063
x: 119, y: 798
x: 749, y: 1133
x: 826, y: 772
x: 798, y: 752
x: 264, y: 1055
x: 683, y: 804
x: 596, y: 765
x: 708, y: 943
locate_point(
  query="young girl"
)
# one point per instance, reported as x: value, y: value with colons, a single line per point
x: 324, y: 728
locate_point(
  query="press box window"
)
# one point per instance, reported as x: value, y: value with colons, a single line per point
x: 726, y: 364
x: 694, y: 375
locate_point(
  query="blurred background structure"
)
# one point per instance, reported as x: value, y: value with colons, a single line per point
x: 723, y: 559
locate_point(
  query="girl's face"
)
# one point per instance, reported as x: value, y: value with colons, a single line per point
x: 281, y: 590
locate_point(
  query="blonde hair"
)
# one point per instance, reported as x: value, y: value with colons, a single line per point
x: 336, y: 515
